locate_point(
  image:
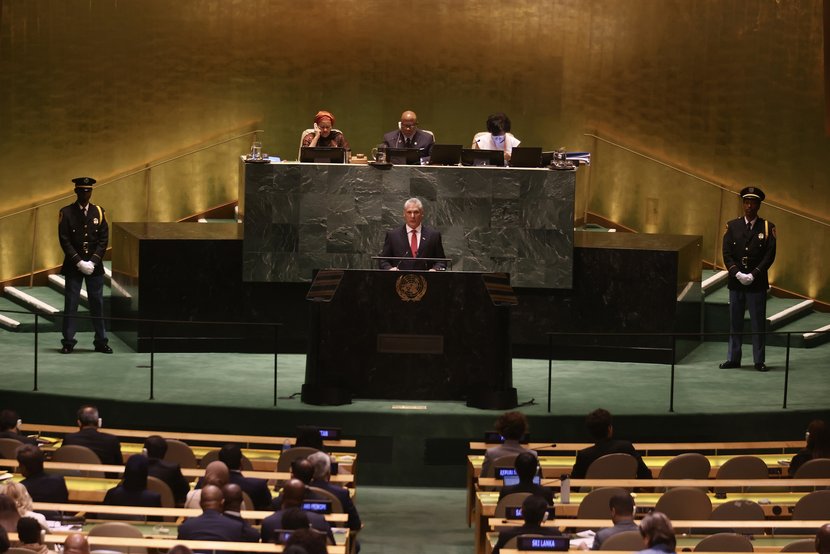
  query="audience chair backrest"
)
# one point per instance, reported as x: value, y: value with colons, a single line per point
x: 8, y: 448
x: 684, y: 503
x: 739, y: 510
x: 815, y: 505
x: 510, y: 501
x: 167, y: 500
x: 18, y: 550
x: 741, y: 467
x: 76, y: 454
x: 627, y: 540
x: 595, y: 503
x: 180, y: 453
x: 119, y: 529
x: 323, y: 494
x: 801, y: 545
x: 725, y: 542
x: 502, y: 461
x: 288, y: 456
x: 814, y: 469
x: 686, y: 466
x: 213, y: 455
x: 613, y: 466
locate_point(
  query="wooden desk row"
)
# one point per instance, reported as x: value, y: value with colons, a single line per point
x: 645, y: 448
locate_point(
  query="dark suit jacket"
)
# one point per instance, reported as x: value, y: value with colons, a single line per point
x: 584, y: 458
x: 749, y: 252
x: 170, y: 473
x: 107, y: 446
x: 533, y: 488
x: 18, y: 437
x: 257, y: 489
x: 274, y: 522
x: 47, y: 488
x: 345, y: 499
x: 249, y: 534
x: 420, y: 140
x: 211, y: 526
x: 119, y: 496
x: 397, y: 244
x: 505, y: 536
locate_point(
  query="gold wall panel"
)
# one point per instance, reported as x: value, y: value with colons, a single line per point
x: 729, y: 90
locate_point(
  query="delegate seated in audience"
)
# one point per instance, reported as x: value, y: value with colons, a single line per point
x: 600, y: 426
x: 257, y: 489
x: 823, y: 539
x: 169, y: 472
x: 30, y: 535
x: 42, y: 487
x: 106, y: 446
x: 534, y: 513
x: 527, y: 467
x: 512, y: 426
x: 232, y: 509
x: 658, y: 534
x: 8, y: 514
x: 306, y: 540
x: 133, y: 488
x: 23, y: 502
x: 8, y: 428
x: 622, y: 515
x: 293, y: 494
x: 76, y: 543
x: 818, y: 445
x: 322, y: 476
x: 211, y: 525
x: 323, y: 135
x: 216, y: 474
x: 301, y: 469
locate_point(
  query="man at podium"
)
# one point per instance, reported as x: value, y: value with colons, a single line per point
x: 413, y: 240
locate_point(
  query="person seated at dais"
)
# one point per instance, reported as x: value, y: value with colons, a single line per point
x: 408, y: 135
x: 323, y: 135
x: 497, y: 137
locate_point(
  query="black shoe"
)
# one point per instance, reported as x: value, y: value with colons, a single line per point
x: 761, y: 367
x: 729, y: 365
x: 103, y: 348
x: 67, y: 349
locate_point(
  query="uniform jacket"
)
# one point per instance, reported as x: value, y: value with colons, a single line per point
x: 747, y: 251
x: 83, y: 237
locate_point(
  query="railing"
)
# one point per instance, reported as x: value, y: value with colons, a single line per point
x: 31, y: 216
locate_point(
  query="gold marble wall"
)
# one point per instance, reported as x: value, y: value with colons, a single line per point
x: 730, y: 90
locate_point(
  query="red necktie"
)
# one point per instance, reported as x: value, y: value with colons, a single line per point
x: 413, y: 244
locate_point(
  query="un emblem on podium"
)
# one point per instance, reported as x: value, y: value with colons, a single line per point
x: 411, y: 287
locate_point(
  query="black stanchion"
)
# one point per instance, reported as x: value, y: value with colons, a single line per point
x: 152, y: 358
x: 787, y: 370
x: 550, y: 366
x: 673, y: 360
x: 276, y: 352
x: 36, y: 339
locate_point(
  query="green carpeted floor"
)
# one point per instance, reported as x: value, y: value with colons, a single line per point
x: 246, y: 380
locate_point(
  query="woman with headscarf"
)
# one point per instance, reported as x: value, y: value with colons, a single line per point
x: 20, y: 497
x: 498, y: 136
x: 133, y: 488
x: 323, y: 135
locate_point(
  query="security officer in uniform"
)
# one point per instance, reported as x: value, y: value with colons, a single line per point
x: 748, y: 253
x: 83, y: 233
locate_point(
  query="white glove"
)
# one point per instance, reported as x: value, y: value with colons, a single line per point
x: 745, y: 278
x: 86, y: 267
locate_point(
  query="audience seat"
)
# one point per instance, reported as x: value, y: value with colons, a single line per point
x: 296, y: 453
x: 323, y: 494
x: 167, y: 500
x: 684, y: 503
x: 741, y: 467
x: 742, y: 510
x: 613, y: 466
x: 512, y: 500
x: 814, y: 469
x: 801, y: 545
x: 180, y: 453
x: 213, y: 455
x: 815, y: 505
x: 725, y: 542
x: 8, y: 448
x: 595, y: 503
x: 686, y: 466
x: 119, y: 529
x: 76, y: 454
x: 627, y: 540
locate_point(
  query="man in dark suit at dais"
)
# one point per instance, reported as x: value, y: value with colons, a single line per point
x: 413, y: 240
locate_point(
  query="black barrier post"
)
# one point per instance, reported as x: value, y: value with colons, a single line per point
x: 152, y: 357
x: 276, y: 351
x: 673, y: 356
x: 787, y: 370
x: 550, y: 365
x: 36, y: 338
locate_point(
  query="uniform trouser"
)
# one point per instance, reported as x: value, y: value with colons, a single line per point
x: 739, y: 301
x: 95, y: 292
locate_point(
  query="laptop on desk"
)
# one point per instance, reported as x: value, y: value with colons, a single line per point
x: 445, y: 154
x: 403, y: 156
x: 476, y: 157
x: 526, y: 156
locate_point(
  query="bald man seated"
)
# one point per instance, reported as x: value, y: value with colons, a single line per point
x: 217, y: 474
x: 293, y: 493
x: 76, y: 543
x: 232, y: 509
x: 409, y: 135
x: 212, y: 525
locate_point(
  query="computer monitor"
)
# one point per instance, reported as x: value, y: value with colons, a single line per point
x: 322, y: 155
x: 403, y: 156
x: 526, y: 156
x: 445, y: 154
x: 474, y: 156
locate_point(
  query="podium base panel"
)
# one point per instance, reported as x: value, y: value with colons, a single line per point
x: 493, y: 400
x: 325, y: 396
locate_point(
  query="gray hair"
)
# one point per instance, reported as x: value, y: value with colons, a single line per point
x: 322, y: 465
x: 414, y: 201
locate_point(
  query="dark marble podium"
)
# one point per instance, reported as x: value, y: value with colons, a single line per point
x: 302, y: 217
x: 372, y: 340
